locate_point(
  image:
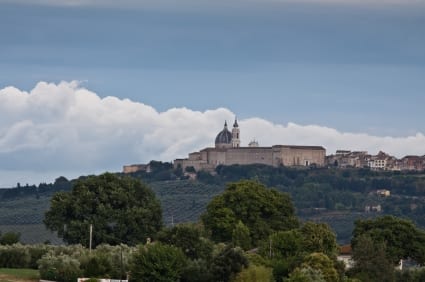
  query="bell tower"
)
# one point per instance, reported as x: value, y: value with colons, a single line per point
x: 236, y: 142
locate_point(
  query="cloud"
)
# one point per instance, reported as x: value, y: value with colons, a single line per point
x: 66, y: 128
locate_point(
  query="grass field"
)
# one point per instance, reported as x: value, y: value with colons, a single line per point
x: 18, y: 275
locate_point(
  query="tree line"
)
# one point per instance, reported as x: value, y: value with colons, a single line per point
x: 248, y: 233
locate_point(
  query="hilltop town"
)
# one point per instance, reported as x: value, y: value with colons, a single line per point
x: 227, y: 151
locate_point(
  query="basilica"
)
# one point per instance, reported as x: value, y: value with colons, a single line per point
x: 227, y: 151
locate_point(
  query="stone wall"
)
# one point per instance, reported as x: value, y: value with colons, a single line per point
x: 249, y: 155
x: 210, y: 158
x: 302, y: 156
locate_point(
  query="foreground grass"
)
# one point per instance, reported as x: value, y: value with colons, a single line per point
x: 18, y: 275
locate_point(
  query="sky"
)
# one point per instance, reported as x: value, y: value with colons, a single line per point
x: 87, y: 86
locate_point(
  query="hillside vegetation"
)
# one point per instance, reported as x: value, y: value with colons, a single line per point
x: 334, y: 196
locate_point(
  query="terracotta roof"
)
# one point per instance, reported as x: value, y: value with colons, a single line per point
x: 345, y: 249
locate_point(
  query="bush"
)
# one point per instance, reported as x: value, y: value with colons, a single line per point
x: 97, y: 266
x: 62, y: 268
x: 197, y: 271
x: 158, y: 262
x: 107, y: 262
x: 228, y: 263
x: 255, y: 273
x: 37, y: 252
x: 14, y: 256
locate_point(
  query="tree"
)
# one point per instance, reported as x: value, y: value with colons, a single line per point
x: 318, y: 237
x: 121, y: 209
x: 306, y: 274
x: 240, y: 236
x: 262, y: 210
x: 188, y: 237
x: 228, y: 263
x: 283, y: 245
x: 10, y: 238
x: 254, y: 274
x: 401, y: 237
x: 287, y: 249
x: 158, y: 262
x: 322, y: 263
x: 371, y: 262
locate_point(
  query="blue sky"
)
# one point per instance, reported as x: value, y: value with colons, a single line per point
x: 353, y: 66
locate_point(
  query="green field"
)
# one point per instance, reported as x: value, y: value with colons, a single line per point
x: 16, y: 275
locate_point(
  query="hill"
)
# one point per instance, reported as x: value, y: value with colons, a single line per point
x: 335, y: 196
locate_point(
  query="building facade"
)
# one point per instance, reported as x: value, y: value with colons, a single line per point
x: 227, y: 151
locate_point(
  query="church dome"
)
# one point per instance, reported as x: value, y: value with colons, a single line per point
x: 224, y: 137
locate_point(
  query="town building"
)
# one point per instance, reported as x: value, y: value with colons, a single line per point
x: 412, y: 163
x: 136, y: 168
x: 228, y: 151
x: 348, y: 159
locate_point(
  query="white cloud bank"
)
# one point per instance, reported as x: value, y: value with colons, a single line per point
x: 65, y: 129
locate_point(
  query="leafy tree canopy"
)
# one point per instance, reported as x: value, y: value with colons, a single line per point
x: 262, y: 210
x: 228, y: 263
x: 306, y: 274
x: 121, y: 209
x: 324, y: 264
x: 310, y: 238
x: 158, y: 262
x: 10, y: 238
x: 401, y: 237
x: 240, y: 236
x: 319, y: 237
x: 188, y: 237
x: 371, y: 262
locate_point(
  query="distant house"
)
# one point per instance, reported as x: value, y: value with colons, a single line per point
x: 346, y: 158
x: 412, y: 163
x: 136, y: 168
x: 383, y: 161
x: 345, y: 255
x: 373, y: 208
x: 379, y: 162
x: 383, y: 192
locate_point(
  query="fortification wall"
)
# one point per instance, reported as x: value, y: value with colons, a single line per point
x: 302, y: 156
x: 249, y: 155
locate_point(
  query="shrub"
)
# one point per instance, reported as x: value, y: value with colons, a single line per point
x: 255, y: 273
x: 36, y: 252
x: 117, y: 257
x: 14, y: 256
x: 228, y: 263
x: 158, y: 262
x: 96, y: 266
x: 63, y: 268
